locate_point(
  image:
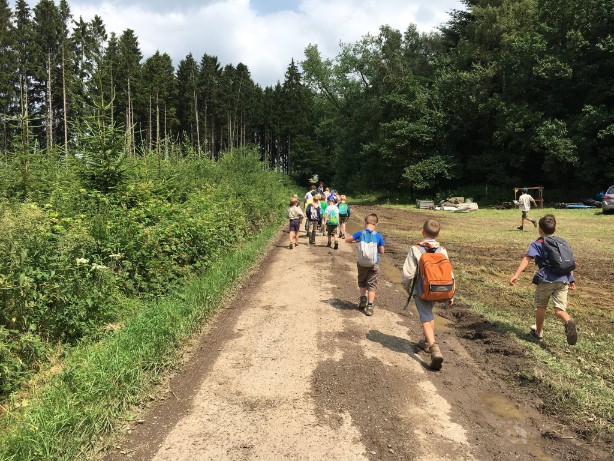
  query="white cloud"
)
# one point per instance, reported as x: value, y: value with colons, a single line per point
x: 234, y: 31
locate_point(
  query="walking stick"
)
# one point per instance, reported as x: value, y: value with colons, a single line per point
x: 411, y: 292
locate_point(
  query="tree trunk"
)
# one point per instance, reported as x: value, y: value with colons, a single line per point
x: 150, y: 133
x: 64, y: 101
x: 197, y: 123
x: 49, y: 105
x: 157, y: 123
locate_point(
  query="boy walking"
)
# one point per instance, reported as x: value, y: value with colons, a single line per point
x: 313, y: 218
x: 370, y: 246
x: 553, y: 279
x: 295, y: 215
x: 525, y: 205
x: 344, y: 215
x: 413, y: 277
x: 332, y: 222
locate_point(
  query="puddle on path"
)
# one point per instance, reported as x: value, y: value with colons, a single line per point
x: 499, y: 405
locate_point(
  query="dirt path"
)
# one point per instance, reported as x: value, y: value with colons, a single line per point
x: 291, y: 370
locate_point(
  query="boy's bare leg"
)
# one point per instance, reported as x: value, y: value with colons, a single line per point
x: 540, y: 315
x: 561, y: 314
x: 371, y: 297
x: 428, y: 328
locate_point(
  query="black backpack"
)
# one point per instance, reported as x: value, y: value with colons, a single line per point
x: 557, y: 255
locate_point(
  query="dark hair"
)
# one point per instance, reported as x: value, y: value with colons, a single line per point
x: 371, y: 219
x: 431, y: 228
x: 548, y: 224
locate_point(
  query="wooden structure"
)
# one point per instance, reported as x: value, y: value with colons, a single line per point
x: 539, y: 200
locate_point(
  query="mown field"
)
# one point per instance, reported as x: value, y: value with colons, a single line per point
x: 575, y: 383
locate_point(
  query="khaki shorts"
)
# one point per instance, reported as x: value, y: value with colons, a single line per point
x: 556, y: 290
x: 367, y: 277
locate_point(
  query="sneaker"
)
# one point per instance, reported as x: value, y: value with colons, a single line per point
x: 436, y: 357
x: 336, y: 247
x: 533, y: 334
x: 369, y: 310
x: 571, y: 332
x: 520, y: 228
x: 362, y: 302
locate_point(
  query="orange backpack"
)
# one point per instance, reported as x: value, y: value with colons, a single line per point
x: 435, y: 272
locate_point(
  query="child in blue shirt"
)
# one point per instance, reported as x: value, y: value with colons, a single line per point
x: 371, y: 245
x: 548, y: 284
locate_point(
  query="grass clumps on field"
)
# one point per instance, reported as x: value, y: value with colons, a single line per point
x: 577, y: 383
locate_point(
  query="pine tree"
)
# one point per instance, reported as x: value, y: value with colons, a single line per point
x: 25, y: 57
x: 128, y: 84
x: 187, y: 100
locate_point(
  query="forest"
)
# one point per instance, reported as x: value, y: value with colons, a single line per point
x: 506, y: 92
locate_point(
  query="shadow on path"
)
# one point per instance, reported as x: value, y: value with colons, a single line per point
x: 396, y: 344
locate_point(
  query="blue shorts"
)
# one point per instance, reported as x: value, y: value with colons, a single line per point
x: 425, y: 309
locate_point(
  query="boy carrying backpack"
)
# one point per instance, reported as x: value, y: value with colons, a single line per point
x: 553, y: 279
x: 370, y: 246
x: 428, y: 278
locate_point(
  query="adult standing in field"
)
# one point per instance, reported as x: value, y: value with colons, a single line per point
x: 524, y: 202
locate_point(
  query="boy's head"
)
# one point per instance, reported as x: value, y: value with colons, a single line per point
x: 331, y: 200
x: 371, y: 220
x: 316, y: 198
x: 313, y: 187
x: 547, y: 224
x: 343, y: 198
x: 293, y: 201
x: 431, y: 228
x: 524, y: 191
x: 295, y: 196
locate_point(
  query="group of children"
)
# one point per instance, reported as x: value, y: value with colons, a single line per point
x: 427, y: 274
x: 324, y: 210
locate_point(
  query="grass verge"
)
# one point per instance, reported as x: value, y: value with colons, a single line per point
x: 68, y: 418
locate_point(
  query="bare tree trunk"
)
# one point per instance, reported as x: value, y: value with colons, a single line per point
x: 150, y: 133
x: 166, y: 156
x: 129, y: 121
x: 64, y: 101
x: 197, y: 123
x: 49, y: 105
x: 157, y: 123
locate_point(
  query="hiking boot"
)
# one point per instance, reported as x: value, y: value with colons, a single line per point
x: 423, y: 345
x: 520, y: 228
x: 571, y: 332
x: 533, y: 334
x: 436, y: 357
x: 290, y: 246
x: 362, y: 302
x: 369, y: 310
x: 336, y: 247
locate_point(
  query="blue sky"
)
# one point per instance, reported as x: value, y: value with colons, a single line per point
x: 263, y: 34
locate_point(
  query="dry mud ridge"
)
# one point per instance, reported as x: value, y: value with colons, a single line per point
x: 290, y: 369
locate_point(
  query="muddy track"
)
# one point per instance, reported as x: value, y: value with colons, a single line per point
x: 292, y: 370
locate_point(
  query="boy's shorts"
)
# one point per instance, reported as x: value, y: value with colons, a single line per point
x: 295, y: 225
x: 367, y: 277
x: 555, y: 290
x: 331, y: 229
x: 343, y: 219
x: 425, y: 309
x: 525, y: 214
